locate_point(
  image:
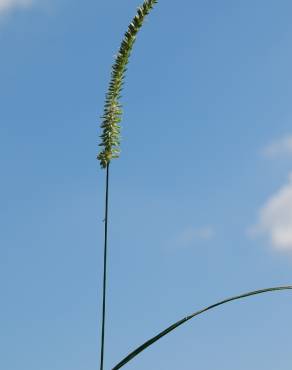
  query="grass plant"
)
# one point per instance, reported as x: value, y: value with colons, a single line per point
x: 110, y: 149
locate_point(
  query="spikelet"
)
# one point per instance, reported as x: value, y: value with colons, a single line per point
x: 112, y: 116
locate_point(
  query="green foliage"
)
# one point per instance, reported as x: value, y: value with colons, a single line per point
x: 174, y: 326
x: 110, y: 138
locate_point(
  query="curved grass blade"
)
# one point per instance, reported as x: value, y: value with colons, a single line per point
x: 110, y: 137
x: 151, y: 341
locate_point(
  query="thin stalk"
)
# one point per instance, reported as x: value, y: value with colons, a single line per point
x: 174, y: 326
x: 104, y: 267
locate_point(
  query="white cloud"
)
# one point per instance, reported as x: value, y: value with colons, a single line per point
x: 191, y: 235
x: 279, y: 147
x: 275, y: 218
x: 6, y: 5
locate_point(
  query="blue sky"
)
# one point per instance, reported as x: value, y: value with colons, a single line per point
x: 201, y: 198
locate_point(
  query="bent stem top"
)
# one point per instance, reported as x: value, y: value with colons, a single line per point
x: 110, y: 138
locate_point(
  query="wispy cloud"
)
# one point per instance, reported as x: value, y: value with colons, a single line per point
x: 275, y: 218
x: 191, y: 235
x: 7, y: 5
x: 280, y: 147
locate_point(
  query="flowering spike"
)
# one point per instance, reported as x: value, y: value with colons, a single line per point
x: 110, y: 138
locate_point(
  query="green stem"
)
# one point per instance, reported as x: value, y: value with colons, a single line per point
x: 154, y: 339
x: 104, y: 267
